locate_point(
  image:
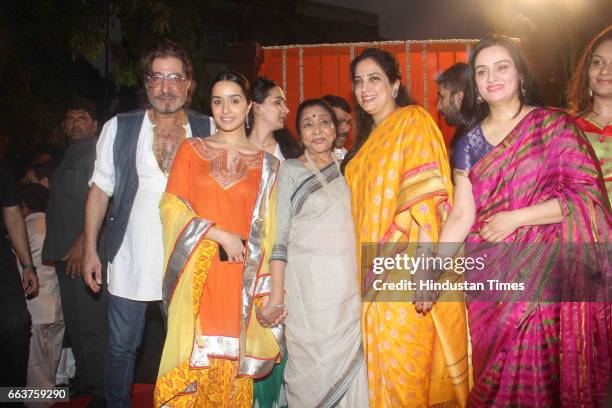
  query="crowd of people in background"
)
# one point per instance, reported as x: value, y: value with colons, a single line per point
x: 258, y: 245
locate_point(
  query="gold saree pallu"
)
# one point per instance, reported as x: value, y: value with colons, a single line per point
x: 412, y: 359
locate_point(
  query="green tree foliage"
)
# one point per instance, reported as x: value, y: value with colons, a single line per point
x: 49, y: 48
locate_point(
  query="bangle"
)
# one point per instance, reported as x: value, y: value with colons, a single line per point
x: 277, y: 306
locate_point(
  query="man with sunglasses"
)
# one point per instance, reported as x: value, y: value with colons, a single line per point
x: 134, y: 157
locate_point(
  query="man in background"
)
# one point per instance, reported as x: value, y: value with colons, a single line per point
x: 15, y: 322
x: 46, y: 308
x: 451, y: 88
x: 84, y: 312
x: 39, y: 174
x: 345, y: 122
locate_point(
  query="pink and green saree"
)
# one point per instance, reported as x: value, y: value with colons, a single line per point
x: 540, y: 348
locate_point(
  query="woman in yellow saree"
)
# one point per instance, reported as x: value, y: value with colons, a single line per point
x: 216, y: 202
x: 401, y: 188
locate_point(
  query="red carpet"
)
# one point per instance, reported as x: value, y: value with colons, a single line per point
x: 142, y: 396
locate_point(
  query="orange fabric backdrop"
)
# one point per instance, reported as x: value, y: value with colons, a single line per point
x: 313, y: 71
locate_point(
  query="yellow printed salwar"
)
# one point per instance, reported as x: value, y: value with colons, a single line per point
x: 400, y: 181
x: 224, y: 389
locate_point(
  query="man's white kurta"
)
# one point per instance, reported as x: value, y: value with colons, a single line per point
x: 136, y: 272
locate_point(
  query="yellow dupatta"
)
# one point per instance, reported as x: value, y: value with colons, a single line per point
x: 184, y: 303
x: 400, y: 180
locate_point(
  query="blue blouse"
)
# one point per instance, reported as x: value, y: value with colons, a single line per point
x: 469, y: 149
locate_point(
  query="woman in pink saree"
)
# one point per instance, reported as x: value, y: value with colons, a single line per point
x: 528, y: 192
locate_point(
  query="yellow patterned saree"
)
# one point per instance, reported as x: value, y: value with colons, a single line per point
x: 400, y: 181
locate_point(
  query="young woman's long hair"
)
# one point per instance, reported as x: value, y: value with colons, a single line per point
x: 388, y: 63
x: 474, y: 111
x: 289, y: 146
x: 578, y: 98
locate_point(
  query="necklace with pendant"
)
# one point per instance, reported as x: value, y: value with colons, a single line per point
x: 166, y: 139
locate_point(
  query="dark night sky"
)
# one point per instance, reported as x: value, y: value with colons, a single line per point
x: 554, y: 32
x: 430, y: 19
x: 405, y: 19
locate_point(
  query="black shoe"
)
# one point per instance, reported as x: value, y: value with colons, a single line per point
x: 76, y: 393
x: 78, y: 389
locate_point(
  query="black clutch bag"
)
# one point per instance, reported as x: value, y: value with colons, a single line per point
x: 223, y: 254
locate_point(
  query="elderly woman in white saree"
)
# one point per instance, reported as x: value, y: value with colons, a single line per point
x: 314, y: 253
